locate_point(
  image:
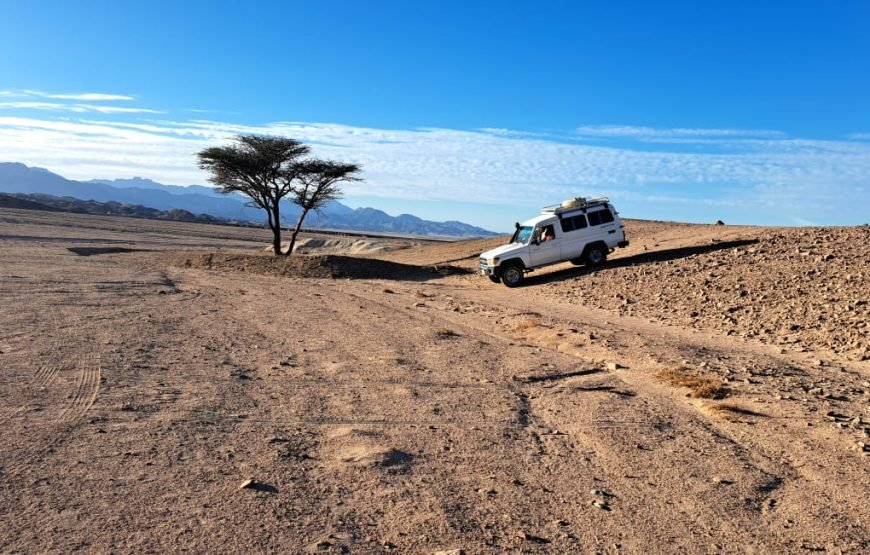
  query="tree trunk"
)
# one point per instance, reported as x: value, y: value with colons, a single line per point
x: 275, y: 224
x: 296, y: 231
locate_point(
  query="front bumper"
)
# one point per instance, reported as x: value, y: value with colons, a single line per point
x: 487, y: 270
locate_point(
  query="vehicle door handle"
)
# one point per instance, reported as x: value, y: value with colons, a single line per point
x: 612, y: 231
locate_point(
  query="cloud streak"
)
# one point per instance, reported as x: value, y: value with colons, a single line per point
x: 633, y: 132
x: 78, y: 108
x: 86, y: 97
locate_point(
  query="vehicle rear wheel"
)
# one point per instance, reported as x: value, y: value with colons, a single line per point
x: 512, y: 275
x: 595, y: 256
x: 494, y: 278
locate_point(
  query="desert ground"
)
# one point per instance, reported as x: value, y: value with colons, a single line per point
x: 171, y: 387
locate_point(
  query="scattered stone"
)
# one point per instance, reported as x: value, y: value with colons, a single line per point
x: 248, y: 484
x: 614, y: 366
x: 532, y: 538
x: 449, y: 552
x: 601, y: 504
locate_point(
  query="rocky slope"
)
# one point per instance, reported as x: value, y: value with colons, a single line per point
x: 804, y: 287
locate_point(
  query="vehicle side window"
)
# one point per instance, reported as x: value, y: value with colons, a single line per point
x: 600, y: 217
x: 573, y: 223
x: 548, y: 233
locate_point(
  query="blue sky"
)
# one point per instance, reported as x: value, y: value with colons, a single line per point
x: 750, y: 112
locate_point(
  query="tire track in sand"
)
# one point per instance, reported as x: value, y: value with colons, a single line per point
x: 86, y: 392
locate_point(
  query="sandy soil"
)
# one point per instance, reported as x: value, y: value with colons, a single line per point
x: 393, y: 404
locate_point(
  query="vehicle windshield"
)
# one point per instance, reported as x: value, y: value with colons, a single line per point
x: 522, y: 235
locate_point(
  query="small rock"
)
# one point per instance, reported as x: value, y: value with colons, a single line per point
x: 248, y: 484
x: 449, y: 552
x: 601, y: 504
x: 532, y: 537
x: 614, y: 366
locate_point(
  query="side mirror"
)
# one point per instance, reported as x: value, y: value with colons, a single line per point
x: 516, y: 225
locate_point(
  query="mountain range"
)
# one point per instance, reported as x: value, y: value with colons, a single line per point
x: 206, y: 202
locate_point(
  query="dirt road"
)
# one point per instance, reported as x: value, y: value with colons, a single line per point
x: 412, y: 414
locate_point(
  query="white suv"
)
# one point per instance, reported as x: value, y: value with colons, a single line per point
x: 578, y: 230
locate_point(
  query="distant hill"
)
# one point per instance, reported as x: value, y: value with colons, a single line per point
x: 111, y: 208
x: 206, y: 201
x: 23, y: 202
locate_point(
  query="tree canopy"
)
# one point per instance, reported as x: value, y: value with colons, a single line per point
x: 269, y: 169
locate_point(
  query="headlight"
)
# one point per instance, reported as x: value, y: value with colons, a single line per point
x: 492, y: 261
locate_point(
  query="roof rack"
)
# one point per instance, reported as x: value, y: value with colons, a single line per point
x: 576, y: 203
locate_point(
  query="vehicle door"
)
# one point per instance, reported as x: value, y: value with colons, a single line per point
x: 544, y: 247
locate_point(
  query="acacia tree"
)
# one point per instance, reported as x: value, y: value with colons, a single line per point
x: 318, y: 184
x: 261, y: 167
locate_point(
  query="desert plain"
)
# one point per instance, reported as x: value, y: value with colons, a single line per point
x: 169, y: 387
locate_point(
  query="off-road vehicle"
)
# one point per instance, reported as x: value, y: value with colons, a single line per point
x: 580, y: 231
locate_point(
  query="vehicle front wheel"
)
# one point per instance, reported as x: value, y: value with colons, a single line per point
x: 512, y: 276
x: 494, y: 278
x: 595, y: 256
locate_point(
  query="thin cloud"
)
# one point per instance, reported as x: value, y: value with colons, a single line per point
x: 859, y: 136
x: 86, y: 97
x: 628, y: 131
x: 78, y: 108
x: 116, y: 109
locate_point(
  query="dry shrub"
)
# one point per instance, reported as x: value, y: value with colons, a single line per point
x: 529, y: 323
x: 700, y: 385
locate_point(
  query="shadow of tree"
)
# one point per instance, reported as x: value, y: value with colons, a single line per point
x: 638, y: 259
